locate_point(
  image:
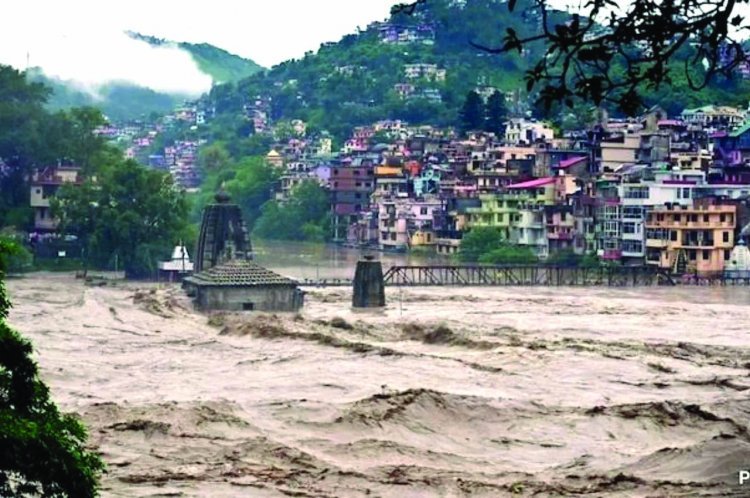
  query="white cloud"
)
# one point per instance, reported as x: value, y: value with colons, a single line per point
x: 84, y: 40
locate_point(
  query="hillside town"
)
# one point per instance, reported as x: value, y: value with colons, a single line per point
x: 667, y: 191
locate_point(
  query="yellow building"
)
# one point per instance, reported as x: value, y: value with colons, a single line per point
x: 696, y: 239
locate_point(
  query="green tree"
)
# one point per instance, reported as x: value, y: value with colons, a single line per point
x: 130, y: 211
x: 509, y: 255
x: 77, y: 207
x: 472, y: 112
x: 495, y: 114
x: 252, y: 185
x: 479, y: 241
x: 304, y: 216
x: 22, y: 119
x: 213, y: 157
x: 42, y: 452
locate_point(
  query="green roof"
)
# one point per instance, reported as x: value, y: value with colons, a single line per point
x: 238, y: 273
x: 740, y: 130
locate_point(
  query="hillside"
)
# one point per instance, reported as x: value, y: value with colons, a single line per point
x: 118, y: 101
x: 221, y: 65
x: 122, y: 101
x: 370, y: 75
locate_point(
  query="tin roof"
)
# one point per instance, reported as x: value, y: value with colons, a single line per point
x: 238, y: 273
x: 533, y: 183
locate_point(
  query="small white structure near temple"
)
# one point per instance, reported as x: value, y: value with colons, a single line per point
x: 739, y: 261
x: 177, y: 267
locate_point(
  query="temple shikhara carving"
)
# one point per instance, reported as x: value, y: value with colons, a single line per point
x: 226, y: 278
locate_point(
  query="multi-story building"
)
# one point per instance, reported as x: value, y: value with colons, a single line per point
x: 44, y: 184
x: 696, y: 239
x: 351, y: 182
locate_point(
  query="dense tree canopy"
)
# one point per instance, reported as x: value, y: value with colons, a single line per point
x: 128, y: 211
x: 617, y: 52
x: 304, y: 216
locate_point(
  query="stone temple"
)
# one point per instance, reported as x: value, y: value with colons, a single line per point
x: 225, y: 276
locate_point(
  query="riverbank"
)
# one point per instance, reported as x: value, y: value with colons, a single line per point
x: 447, y: 391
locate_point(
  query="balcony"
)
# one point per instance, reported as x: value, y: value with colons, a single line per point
x: 560, y: 236
x: 657, y: 243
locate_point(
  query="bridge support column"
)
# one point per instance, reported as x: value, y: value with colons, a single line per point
x: 369, y: 288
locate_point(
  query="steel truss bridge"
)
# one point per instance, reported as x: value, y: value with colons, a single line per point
x: 486, y: 275
x: 513, y: 275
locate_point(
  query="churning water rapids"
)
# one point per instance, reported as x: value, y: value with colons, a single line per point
x: 447, y: 392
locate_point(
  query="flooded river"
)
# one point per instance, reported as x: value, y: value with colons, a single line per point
x: 303, y: 260
x: 447, y: 392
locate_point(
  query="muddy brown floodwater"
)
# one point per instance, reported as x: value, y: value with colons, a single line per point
x: 447, y: 392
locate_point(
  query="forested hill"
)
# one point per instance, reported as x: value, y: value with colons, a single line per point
x: 122, y: 101
x: 221, y: 65
x: 365, y: 76
x: 118, y: 101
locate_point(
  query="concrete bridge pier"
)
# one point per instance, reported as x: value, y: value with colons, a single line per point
x: 369, y: 286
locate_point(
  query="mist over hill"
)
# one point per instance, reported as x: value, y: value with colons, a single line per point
x: 128, y: 98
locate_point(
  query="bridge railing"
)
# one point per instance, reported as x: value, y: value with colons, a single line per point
x: 472, y: 275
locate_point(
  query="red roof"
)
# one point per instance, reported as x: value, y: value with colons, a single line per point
x: 567, y: 163
x: 534, y: 183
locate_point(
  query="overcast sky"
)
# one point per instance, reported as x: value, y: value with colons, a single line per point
x: 83, y: 39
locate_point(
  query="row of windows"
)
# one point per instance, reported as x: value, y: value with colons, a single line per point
x: 691, y: 218
x: 356, y: 172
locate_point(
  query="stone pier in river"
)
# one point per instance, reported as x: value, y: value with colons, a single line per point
x: 369, y: 287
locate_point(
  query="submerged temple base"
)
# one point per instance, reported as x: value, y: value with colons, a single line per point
x: 369, y: 288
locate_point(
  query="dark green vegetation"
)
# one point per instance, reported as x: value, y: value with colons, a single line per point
x: 42, y: 451
x: 129, y: 212
x: 30, y: 137
x: 352, y: 82
x: 304, y: 216
x: 619, y: 55
x: 251, y: 182
x: 119, y: 101
x: 221, y: 65
x: 121, y: 210
x: 488, y: 245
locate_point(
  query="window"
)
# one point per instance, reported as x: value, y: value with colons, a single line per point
x: 629, y: 227
x: 357, y: 172
x: 673, y: 235
x: 393, y: 236
x: 659, y: 217
x: 705, y: 218
x: 423, y: 210
x: 686, y: 193
x: 384, y: 235
x: 691, y: 254
x: 248, y: 306
x: 677, y: 218
x: 693, y: 218
x: 335, y: 172
x: 706, y: 255
x: 632, y: 246
x: 725, y: 236
x: 632, y: 212
x: 636, y: 192
x: 358, y: 184
x: 722, y: 217
x: 727, y: 254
